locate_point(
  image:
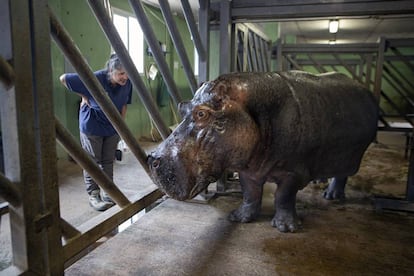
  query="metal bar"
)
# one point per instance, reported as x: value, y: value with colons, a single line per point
x: 360, y: 68
x: 369, y: 65
x: 192, y: 26
x: 9, y: 192
x: 19, y: 143
x: 348, y: 68
x: 265, y: 55
x: 7, y: 75
x: 378, y: 71
x: 233, y: 48
x: 252, y: 47
x: 258, y: 50
x: 295, y: 65
x: 400, y: 42
x: 398, y: 87
x: 250, y: 10
x: 409, y: 195
x: 103, y: 223
x: 225, y: 21
x: 246, y: 53
x: 46, y: 140
x: 65, y: 43
x: 279, y: 54
x: 239, y: 51
x: 68, y: 231
x: 393, y: 204
x: 4, y: 208
x: 403, y: 59
x: 249, y: 49
x: 204, y: 27
x: 83, y: 159
x: 405, y: 80
x: 178, y: 42
x: 396, y: 108
x: 318, y: 66
x: 329, y: 49
x: 116, y: 42
x: 153, y: 44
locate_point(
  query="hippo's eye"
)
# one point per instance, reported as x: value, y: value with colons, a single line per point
x: 201, y: 114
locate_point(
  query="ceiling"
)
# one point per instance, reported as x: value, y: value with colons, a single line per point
x: 358, y: 29
x: 351, y: 30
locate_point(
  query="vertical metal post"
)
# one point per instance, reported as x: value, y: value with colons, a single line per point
x: 29, y: 148
x: 178, y: 42
x: 246, y: 52
x: 368, y: 71
x: 258, y: 50
x: 252, y: 47
x: 378, y: 71
x: 279, y: 55
x: 410, y: 180
x: 155, y: 47
x: 204, y: 27
x: 233, y: 48
x: 45, y: 138
x: 225, y: 22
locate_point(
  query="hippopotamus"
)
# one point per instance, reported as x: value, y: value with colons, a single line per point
x: 284, y: 127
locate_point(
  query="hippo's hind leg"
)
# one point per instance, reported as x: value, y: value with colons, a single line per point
x: 336, y: 189
x: 252, y: 200
x: 285, y: 218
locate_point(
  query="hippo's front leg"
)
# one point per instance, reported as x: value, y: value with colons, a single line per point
x: 285, y: 218
x: 252, y: 200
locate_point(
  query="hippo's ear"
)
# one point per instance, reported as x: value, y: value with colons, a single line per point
x: 221, y: 89
x: 220, y: 95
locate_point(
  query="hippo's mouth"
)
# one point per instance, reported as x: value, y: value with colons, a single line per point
x: 200, y: 186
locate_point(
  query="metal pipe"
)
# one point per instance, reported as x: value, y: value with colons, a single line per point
x: 204, y: 27
x: 225, y: 24
x: 116, y: 42
x: 192, y: 26
x: 82, y: 158
x: 7, y: 75
x: 155, y: 48
x: 70, y: 50
x: 8, y: 191
x: 178, y: 42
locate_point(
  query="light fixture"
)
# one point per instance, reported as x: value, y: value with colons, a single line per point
x: 333, y: 26
x: 332, y: 42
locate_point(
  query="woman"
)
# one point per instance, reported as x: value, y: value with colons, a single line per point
x: 97, y: 135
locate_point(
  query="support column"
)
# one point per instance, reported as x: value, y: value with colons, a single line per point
x: 225, y: 24
x: 204, y: 28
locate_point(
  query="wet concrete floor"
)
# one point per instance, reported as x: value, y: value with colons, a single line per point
x: 180, y: 238
x: 338, y: 237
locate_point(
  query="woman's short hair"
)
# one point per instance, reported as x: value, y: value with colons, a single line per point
x: 114, y: 63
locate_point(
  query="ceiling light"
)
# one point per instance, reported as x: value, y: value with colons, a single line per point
x: 332, y: 42
x: 333, y: 26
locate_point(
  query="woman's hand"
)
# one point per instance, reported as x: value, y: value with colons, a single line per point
x: 84, y: 101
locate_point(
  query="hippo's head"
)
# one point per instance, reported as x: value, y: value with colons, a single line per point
x: 216, y: 134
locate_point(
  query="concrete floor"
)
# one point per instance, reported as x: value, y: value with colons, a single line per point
x: 182, y: 238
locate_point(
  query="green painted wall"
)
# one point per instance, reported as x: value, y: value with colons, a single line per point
x: 79, y: 21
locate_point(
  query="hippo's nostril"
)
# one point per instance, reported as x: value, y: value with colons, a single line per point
x: 156, y: 163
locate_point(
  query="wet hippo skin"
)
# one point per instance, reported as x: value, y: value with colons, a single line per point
x: 283, y: 127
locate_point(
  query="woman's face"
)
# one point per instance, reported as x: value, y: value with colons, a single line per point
x: 119, y: 76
